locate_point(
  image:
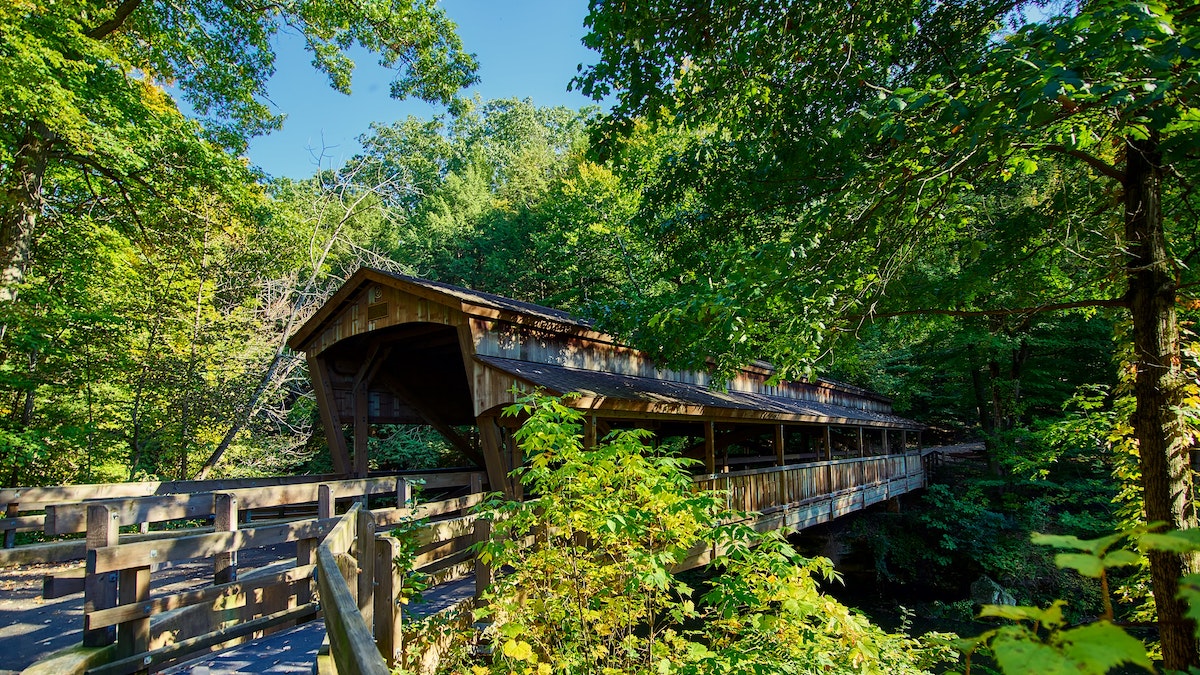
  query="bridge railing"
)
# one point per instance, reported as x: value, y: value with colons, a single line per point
x: 148, y: 633
x: 765, y: 490
x: 61, y: 509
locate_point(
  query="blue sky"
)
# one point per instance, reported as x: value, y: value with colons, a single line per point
x: 526, y: 48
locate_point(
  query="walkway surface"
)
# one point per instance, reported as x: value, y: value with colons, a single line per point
x: 32, y: 628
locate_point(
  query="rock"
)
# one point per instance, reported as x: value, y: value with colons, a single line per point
x: 987, y: 592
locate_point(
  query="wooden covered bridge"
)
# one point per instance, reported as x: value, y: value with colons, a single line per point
x: 389, y: 349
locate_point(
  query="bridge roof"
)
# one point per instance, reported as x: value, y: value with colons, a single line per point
x: 617, y: 392
x: 502, y: 341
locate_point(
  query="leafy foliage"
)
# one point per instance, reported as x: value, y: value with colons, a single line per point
x: 590, y: 585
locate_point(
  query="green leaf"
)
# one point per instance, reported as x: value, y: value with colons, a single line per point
x: 1087, y: 565
x: 1050, y: 617
x: 1101, y: 646
x: 1176, y: 541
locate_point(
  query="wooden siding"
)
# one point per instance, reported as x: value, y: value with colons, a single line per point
x: 378, y: 306
x: 523, y: 343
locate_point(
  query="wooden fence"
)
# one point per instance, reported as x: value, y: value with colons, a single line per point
x: 350, y: 557
x: 62, y: 509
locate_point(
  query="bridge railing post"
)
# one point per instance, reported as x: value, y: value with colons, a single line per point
x: 226, y: 520
x: 99, y: 590
x: 482, y: 533
x: 388, y: 584
x: 364, y: 553
x: 403, y: 493
x: 10, y: 536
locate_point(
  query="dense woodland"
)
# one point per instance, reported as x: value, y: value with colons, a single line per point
x: 985, y: 210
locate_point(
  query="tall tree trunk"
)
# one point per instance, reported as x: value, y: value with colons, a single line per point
x: 19, y: 211
x: 1162, y: 450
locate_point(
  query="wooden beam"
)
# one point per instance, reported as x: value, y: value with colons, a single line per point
x: 589, y: 432
x: 710, y: 448
x: 99, y: 589
x: 433, y: 419
x: 361, y: 425
x: 779, y: 445
x: 862, y: 445
x: 225, y: 564
x: 828, y: 442
x: 330, y: 417
x: 497, y: 470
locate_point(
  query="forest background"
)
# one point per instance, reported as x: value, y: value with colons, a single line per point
x: 983, y: 210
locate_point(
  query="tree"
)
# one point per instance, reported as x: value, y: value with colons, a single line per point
x: 843, y: 144
x: 82, y: 91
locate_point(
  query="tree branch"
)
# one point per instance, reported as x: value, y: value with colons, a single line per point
x: 1115, y: 302
x: 1096, y: 163
x: 123, y: 11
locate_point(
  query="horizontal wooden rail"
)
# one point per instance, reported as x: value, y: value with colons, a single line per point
x: 124, y: 556
x: 350, y: 641
x: 29, y: 497
x: 142, y: 662
x: 143, y: 610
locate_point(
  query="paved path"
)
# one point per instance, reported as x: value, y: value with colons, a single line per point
x: 32, y: 628
x: 294, y: 651
x: 288, y: 652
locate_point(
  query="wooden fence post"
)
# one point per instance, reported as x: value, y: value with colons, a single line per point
x: 325, y: 502
x: 403, y: 493
x: 306, y: 554
x: 476, y: 483
x: 133, y: 637
x: 99, y: 590
x: 225, y: 564
x: 10, y: 536
x: 365, y: 554
x: 388, y: 617
x: 483, y: 571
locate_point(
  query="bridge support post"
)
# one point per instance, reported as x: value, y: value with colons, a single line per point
x: 403, y: 493
x: 99, y: 590
x: 329, y: 415
x: 325, y: 503
x: 10, y: 536
x: 710, y: 448
x: 133, y: 637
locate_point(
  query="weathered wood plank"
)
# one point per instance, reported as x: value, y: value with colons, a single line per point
x: 204, y: 545
x: 164, y: 655
x: 350, y: 642
x: 28, y: 497
x: 149, y: 608
x: 445, y: 530
x: 393, y: 517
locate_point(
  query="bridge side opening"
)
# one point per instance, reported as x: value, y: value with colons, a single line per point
x: 408, y: 374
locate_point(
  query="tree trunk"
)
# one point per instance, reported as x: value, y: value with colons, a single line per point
x: 19, y: 211
x: 1162, y: 450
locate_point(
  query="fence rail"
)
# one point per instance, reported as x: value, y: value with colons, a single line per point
x: 350, y: 558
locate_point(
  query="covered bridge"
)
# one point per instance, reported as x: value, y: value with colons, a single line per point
x: 392, y: 349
